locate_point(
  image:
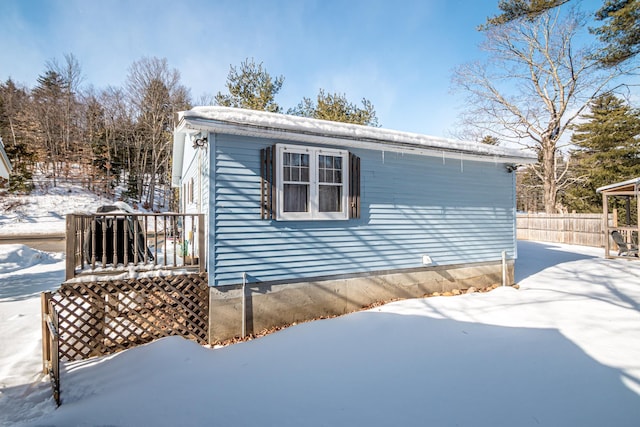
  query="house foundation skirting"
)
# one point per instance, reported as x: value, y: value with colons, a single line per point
x: 273, y: 304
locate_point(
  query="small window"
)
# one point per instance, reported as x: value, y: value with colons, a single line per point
x: 311, y: 183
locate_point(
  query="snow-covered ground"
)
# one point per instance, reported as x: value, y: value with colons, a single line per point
x: 563, y: 350
x: 43, y: 212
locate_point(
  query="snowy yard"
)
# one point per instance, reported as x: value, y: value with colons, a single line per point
x: 563, y: 350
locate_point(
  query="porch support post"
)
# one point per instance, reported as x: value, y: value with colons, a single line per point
x: 202, y: 250
x: 605, y: 225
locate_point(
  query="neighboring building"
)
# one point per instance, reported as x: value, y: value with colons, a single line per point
x: 320, y: 218
x: 5, y: 164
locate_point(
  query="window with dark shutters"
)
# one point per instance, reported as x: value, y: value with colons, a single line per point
x: 312, y: 184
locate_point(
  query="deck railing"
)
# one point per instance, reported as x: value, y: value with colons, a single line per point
x: 113, y: 243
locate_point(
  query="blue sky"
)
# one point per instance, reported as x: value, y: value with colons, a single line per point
x: 398, y: 54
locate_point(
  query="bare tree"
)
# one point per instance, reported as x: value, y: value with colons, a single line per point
x: 119, y: 125
x: 55, y: 107
x: 619, y: 30
x: 534, y: 84
x: 155, y: 93
x: 47, y: 107
x: 71, y: 74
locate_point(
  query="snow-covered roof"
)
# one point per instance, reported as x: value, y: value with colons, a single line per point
x: 294, y: 128
x: 628, y: 185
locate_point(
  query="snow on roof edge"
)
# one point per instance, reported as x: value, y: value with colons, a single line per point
x: 266, y: 121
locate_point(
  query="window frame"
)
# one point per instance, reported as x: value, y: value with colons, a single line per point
x: 314, y: 213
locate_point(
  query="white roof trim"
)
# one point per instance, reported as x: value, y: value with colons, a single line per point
x: 178, y: 157
x: 237, y: 121
x: 5, y: 163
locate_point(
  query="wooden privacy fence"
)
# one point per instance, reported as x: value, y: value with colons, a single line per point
x: 112, y: 242
x: 576, y: 229
x: 100, y: 318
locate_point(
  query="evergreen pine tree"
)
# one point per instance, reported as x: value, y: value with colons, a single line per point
x: 620, y: 32
x: 17, y: 135
x: 608, y: 151
x: 520, y: 9
x: 251, y: 87
x: 337, y: 108
x: 490, y: 140
x: 49, y: 104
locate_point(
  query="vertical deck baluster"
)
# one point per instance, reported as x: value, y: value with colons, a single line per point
x: 126, y: 241
x: 93, y: 243
x: 175, y: 238
x: 115, y: 241
x: 164, y: 258
x: 155, y: 240
x: 135, y: 225
x: 193, y: 239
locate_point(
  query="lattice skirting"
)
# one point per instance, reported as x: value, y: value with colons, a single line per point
x: 99, y: 318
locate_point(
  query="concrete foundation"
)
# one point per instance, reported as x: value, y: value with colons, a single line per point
x: 273, y: 304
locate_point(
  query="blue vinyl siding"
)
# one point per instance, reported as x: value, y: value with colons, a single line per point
x: 454, y: 210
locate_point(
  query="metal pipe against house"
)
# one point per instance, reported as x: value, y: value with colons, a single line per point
x: 244, y: 304
x: 504, y: 268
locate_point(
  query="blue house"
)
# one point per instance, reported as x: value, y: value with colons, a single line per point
x: 308, y: 218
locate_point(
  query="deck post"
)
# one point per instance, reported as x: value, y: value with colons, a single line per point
x: 605, y: 224
x: 202, y: 253
x: 45, y: 297
x: 70, y: 246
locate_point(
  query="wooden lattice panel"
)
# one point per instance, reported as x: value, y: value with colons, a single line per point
x: 98, y: 318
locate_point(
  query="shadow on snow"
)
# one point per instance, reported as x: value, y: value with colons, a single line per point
x: 368, y: 368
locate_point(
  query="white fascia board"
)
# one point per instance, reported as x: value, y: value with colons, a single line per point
x: 5, y: 167
x: 499, y: 155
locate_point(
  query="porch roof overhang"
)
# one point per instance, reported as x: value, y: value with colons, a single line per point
x: 263, y: 124
x: 630, y: 187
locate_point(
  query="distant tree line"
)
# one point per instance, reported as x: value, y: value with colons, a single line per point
x: 102, y: 138
x: 121, y: 137
x: 537, y: 87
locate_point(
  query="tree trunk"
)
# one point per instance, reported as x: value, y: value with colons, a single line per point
x: 549, y: 182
